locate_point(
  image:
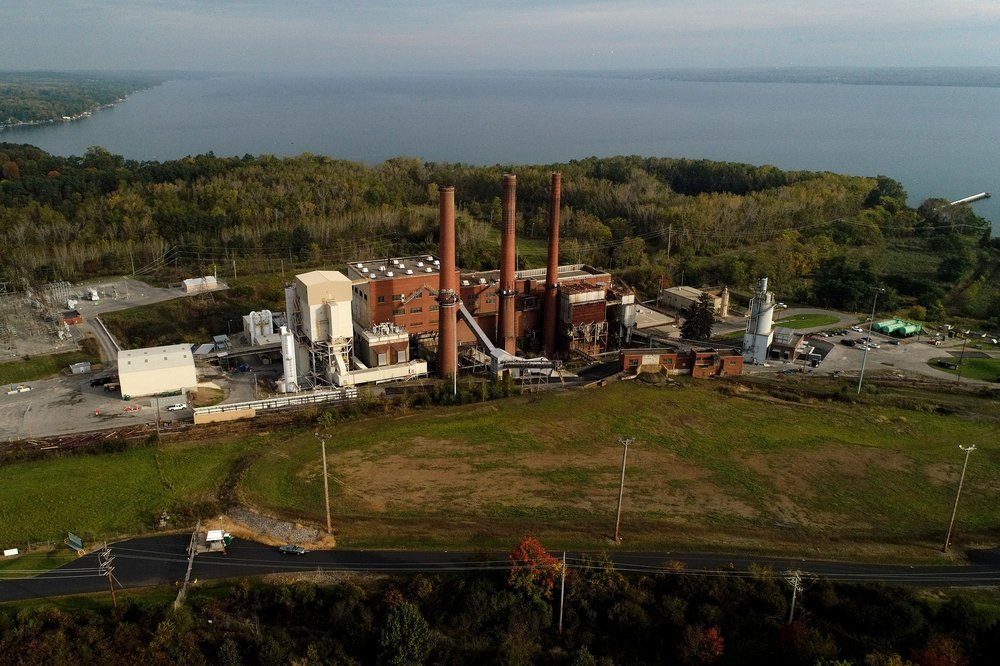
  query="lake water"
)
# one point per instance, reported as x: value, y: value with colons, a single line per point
x: 938, y: 141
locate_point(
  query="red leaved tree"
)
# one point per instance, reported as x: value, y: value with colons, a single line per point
x: 701, y: 645
x: 532, y: 569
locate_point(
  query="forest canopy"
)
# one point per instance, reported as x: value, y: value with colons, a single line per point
x: 650, y: 220
x: 37, y: 97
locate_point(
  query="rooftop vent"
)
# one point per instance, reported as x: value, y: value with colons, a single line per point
x: 428, y: 270
x: 364, y: 269
x: 409, y: 271
x: 465, y: 283
x: 381, y: 269
x: 482, y: 280
x: 420, y: 264
x: 358, y: 265
x: 389, y: 274
x: 430, y: 258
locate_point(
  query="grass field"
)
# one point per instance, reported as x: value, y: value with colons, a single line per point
x: 706, y: 469
x: 714, y: 465
x: 40, y: 367
x: 97, y: 496
x: 806, y: 321
x: 986, y: 369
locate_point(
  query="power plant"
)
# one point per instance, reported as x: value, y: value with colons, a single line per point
x: 385, y: 316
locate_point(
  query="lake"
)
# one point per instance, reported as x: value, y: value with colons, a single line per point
x: 938, y: 141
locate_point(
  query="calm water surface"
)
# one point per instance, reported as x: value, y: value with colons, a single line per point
x: 938, y: 141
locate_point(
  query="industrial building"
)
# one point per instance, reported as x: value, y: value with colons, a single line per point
x: 694, y: 361
x: 683, y: 298
x: 378, y: 322
x: 155, y: 370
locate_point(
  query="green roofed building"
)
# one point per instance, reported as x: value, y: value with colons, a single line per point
x: 898, y: 327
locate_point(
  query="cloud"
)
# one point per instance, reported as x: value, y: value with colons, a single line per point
x: 460, y: 34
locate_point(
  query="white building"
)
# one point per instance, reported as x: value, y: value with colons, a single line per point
x: 156, y: 370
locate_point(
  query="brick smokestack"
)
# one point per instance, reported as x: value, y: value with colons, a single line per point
x: 552, y: 273
x: 447, y: 287
x: 508, y: 333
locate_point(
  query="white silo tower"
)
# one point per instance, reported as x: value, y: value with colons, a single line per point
x: 757, y: 338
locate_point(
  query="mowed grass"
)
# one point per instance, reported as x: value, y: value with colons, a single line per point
x: 97, y: 496
x: 806, y: 321
x: 40, y: 367
x: 986, y: 369
x: 706, y: 469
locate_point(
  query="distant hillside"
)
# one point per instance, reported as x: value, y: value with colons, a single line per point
x: 975, y: 77
x: 40, y: 97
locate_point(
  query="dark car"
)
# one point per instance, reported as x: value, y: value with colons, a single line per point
x: 291, y: 549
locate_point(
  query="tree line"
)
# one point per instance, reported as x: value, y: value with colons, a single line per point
x: 492, y: 616
x: 820, y: 237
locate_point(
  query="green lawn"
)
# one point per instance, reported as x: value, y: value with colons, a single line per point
x: 106, y: 495
x: 40, y: 367
x: 806, y: 321
x: 986, y: 369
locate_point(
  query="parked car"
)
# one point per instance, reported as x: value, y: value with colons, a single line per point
x: 848, y: 342
x: 177, y: 407
x: 780, y: 306
x: 894, y: 342
x: 291, y: 549
x: 856, y: 329
x: 873, y: 345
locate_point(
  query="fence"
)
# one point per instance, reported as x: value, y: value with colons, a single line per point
x: 316, y: 397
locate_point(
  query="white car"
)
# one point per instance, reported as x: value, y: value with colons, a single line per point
x: 176, y: 408
x: 856, y: 329
x: 873, y: 345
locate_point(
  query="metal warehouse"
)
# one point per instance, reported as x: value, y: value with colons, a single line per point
x: 156, y: 370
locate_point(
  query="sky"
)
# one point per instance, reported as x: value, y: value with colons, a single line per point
x: 435, y: 35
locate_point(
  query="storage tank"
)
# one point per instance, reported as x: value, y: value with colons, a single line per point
x: 291, y: 379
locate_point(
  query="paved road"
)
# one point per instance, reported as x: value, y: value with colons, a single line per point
x: 163, y: 560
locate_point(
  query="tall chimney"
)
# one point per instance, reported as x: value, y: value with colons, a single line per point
x: 552, y: 274
x: 447, y: 297
x: 508, y: 333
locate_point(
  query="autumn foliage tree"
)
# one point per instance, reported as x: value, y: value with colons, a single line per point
x: 701, y: 645
x: 532, y: 569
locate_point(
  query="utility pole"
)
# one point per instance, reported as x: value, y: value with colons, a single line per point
x: 326, y: 484
x: 107, y: 568
x: 562, y: 592
x: 958, y: 493
x: 961, y: 361
x: 670, y: 234
x: 621, y: 489
x: 234, y: 269
x: 793, y: 578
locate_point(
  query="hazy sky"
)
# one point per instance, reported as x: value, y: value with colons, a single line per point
x: 403, y: 35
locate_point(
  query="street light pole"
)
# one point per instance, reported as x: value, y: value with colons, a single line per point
x: 326, y: 483
x: 871, y: 322
x: 958, y: 493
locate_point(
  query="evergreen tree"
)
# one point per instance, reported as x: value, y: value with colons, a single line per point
x: 700, y: 319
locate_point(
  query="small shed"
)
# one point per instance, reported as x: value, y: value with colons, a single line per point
x: 72, y: 317
x: 80, y: 368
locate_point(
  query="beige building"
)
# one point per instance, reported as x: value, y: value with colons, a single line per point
x: 324, y: 305
x: 156, y: 370
x: 681, y: 298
